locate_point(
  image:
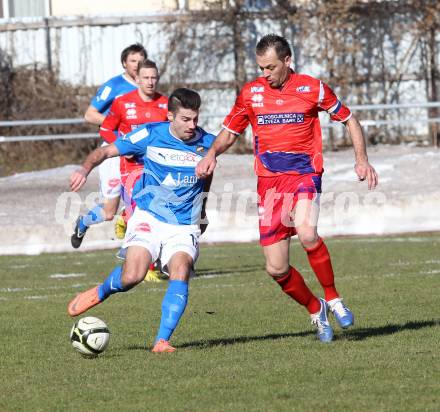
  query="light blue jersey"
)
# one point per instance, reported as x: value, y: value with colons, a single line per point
x: 109, y: 91
x: 168, y: 187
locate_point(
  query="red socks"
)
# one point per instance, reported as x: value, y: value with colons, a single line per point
x: 319, y: 260
x: 293, y: 285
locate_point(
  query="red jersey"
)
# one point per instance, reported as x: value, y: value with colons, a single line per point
x: 126, y: 114
x: 285, y: 123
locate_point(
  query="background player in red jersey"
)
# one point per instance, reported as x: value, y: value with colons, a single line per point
x: 282, y: 108
x: 127, y: 113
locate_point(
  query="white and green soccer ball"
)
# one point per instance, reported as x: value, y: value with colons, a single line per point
x: 90, y: 336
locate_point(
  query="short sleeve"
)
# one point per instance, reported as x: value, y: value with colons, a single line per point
x: 332, y: 105
x: 111, y: 123
x: 237, y: 120
x: 103, y: 98
x: 134, y: 143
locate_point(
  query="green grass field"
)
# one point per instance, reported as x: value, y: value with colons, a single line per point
x: 242, y: 344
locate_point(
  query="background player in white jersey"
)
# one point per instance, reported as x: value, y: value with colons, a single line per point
x: 109, y: 174
x: 170, y: 200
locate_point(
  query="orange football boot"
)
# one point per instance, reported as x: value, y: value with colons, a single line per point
x: 163, y: 346
x: 83, y: 302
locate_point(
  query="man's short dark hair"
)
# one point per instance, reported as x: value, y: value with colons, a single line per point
x: 133, y: 48
x: 147, y: 64
x: 186, y: 98
x: 279, y: 43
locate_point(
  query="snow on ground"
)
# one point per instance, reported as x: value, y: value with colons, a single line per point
x: 37, y: 212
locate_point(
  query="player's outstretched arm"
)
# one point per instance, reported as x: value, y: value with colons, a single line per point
x: 362, y: 167
x: 225, y: 139
x: 79, y: 177
x: 93, y: 116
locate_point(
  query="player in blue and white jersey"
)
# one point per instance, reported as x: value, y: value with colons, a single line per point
x: 109, y: 174
x: 170, y: 200
x: 116, y: 86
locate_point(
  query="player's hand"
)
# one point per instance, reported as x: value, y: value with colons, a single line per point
x: 78, y: 179
x: 206, y: 166
x: 365, y: 171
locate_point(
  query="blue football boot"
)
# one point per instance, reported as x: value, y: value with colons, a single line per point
x: 342, y: 314
x: 320, y: 320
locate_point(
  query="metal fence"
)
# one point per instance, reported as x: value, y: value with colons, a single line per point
x: 401, y: 120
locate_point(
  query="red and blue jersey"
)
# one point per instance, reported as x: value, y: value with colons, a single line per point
x: 110, y: 90
x: 285, y: 123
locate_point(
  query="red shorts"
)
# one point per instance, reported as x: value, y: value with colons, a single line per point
x: 130, y: 173
x: 277, y: 197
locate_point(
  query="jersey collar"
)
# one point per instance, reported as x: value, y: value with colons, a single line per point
x: 127, y: 79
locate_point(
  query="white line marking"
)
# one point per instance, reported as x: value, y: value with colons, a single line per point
x: 76, y: 286
x: 66, y: 275
x: 66, y: 296
x: 385, y: 239
x: 36, y: 297
x: 416, y: 262
x: 211, y: 276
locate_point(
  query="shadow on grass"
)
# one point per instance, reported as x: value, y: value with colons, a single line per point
x: 365, y: 333
x: 216, y: 271
x: 243, y: 339
x: 353, y: 335
x: 231, y: 341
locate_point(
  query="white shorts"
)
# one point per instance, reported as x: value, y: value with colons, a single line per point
x: 161, y: 239
x: 110, y: 177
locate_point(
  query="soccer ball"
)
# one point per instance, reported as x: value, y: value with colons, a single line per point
x: 90, y: 336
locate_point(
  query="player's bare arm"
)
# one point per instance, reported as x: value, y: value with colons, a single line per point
x: 223, y: 142
x: 79, y: 177
x: 93, y: 116
x: 362, y: 167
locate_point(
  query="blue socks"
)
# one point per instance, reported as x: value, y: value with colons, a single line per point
x: 112, y: 284
x: 173, y: 303
x: 173, y: 306
x: 93, y: 216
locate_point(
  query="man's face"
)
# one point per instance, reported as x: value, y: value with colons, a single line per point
x: 131, y: 64
x: 183, y: 123
x: 274, y: 70
x: 147, y: 81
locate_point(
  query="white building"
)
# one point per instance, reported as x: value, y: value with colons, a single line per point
x: 58, y: 8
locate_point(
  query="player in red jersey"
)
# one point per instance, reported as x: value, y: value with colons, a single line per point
x: 282, y: 107
x: 127, y: 113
